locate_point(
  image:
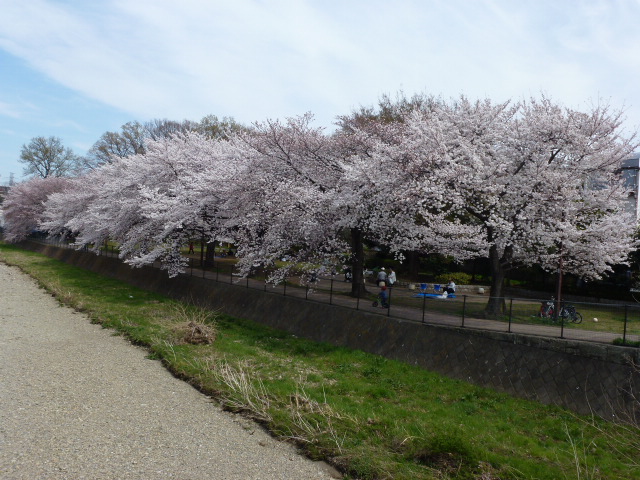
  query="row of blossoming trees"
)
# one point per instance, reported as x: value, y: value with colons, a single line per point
x: 526, y: 183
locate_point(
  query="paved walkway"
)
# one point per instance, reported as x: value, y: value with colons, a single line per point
x: 77, y: 402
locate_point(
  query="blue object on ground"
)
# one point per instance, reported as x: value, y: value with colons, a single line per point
x: 433, y: 295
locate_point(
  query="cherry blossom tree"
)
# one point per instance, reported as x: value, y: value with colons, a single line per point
x: 152, y: 203
x: 394, y: 169
x: 283, y: 200
x: 65, y: 211
x: 24, y: 205
x: 317, y: 198
x: 520, y: 184
x: 526, y: 175
x: 185, y: 195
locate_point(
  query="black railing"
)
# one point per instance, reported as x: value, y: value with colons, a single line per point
x: 593, y: 322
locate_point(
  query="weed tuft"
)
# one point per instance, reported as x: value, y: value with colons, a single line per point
x: 195, y: 326
x: 245, y: 391
x: 315, y: 420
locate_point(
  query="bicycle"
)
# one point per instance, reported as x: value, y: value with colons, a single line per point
x: 567, y: 312
x: 547, y: 308
x: 380, y: 301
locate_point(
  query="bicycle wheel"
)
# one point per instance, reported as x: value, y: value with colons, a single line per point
x: 577, y: 317
x: 374, y: 304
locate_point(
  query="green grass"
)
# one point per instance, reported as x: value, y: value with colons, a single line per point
x: 372, y: 417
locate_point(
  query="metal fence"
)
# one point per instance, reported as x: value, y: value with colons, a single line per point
x: 614, y: 323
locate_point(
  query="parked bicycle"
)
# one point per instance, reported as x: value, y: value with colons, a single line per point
x: 568, y: 313
x: 547, y: 309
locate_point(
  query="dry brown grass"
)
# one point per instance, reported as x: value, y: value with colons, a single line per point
x: 194, y: 325
x: 246, y: 392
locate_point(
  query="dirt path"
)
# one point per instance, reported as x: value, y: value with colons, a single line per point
x: 77, y: 402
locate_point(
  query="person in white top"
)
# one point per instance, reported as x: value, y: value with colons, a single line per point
x: 450, y: 288
x: 391, y: 278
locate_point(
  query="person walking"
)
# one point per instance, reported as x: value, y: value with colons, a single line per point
x: 383, y: 297
x: 382, y: 277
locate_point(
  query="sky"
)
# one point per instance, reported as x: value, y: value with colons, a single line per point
x: 75, y: 69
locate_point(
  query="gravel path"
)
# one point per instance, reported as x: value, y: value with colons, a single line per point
x: 77, y: 402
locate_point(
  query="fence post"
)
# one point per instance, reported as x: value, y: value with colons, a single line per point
x: 626, y: 317
x: 561, y: 318
x: 191, y: 265
x: 284, y: 292
x: 464, y: 308
x: 510, y: 314
x: 331, y: 293
x: 358, y: 300
x: 306, y: 292
x: 424, y: 302
x: 247, y: 280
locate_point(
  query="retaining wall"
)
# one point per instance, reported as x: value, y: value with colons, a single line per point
x: 583, y: 377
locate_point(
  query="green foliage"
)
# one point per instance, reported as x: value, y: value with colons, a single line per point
x: 460, y: 278
x: 626, y: 343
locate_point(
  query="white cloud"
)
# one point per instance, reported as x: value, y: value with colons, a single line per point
x: 255, y: 59
x: 11, y: 111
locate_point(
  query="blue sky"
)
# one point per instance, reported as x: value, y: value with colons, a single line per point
x: 78, y: 68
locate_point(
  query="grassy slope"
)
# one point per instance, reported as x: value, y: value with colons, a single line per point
x: 372, y: 417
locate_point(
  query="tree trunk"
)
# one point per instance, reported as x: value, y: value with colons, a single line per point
x: 558, y: 289
x: 211, y: 254
x: 202, y: 251
x: 413, y: 261
x: 358, y: 288
x: 495, y: 306
x: 474, y: 264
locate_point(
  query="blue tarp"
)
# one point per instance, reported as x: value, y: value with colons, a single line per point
x: 433, y: 295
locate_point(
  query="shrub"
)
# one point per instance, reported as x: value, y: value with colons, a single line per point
x: 627, y: 343
x: 459, y: 278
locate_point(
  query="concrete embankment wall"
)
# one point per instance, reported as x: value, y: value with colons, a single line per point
x: 583, y: 377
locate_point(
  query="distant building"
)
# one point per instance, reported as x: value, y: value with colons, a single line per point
x: 630, y: 172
